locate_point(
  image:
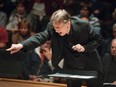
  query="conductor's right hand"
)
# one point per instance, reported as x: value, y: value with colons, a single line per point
x: 15, y: 48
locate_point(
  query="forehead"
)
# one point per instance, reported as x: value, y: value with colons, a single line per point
x: 23, y: 26
x: 48, y: 42
x: 20, y: 5
x: 114, y: 42
x: 57, y: 23
x: 114, y: 30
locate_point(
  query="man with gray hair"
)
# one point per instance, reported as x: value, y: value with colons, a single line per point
x: 71, y: 39
x: 109, y: 65
x: 106, y: 44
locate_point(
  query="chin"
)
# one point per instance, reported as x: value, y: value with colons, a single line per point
x: 61, y: 34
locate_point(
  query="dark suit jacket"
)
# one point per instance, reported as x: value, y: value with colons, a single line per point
x: 34, y: 66
x: 107, y: 68
x: 83, y: 34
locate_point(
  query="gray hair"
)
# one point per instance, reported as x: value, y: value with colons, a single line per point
x: 60, y: 15
x: 114, y: 14
x: 114, y: 26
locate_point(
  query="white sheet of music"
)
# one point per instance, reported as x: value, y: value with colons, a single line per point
x: 71, y: 76
x: 109, y: 84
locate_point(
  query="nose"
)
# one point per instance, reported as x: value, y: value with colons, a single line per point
x: 57, y: 30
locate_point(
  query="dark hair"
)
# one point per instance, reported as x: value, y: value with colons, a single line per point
x: 22, y: 2
x: 2, y: 5
x: 114, y: 27
x: 24, y: 21
x: 86, y: 5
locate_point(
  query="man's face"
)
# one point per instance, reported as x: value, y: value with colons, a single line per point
x: 46, y: 45
x: 62, y: 28
x: 113, y: 48
x: 114, y: 33
x: 20, y: 9
x: 84, y: 12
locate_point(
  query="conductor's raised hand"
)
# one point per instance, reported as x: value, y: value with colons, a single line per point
x: 15, y: 48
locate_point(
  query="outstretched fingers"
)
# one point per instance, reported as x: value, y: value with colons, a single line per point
x: 15, y: 48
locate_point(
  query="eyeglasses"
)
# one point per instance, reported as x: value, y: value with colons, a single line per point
x: 59, y: 28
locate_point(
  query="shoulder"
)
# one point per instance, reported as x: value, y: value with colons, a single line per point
x: 50, y: 27
x: 79, y: 23
x: 94, y: 20
x: 3, y: 31
x: 2, y: 14
x: 78, y: 20
x: 49, y: 24
x: 106, y: 60
x: 92, y: 17
x: 107, y: 57
x: 16, y: 34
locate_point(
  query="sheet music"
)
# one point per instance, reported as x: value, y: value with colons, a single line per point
x: 109, y: 84
x: 82, y: 77
x: 59, y: 75
x: 71, y: 76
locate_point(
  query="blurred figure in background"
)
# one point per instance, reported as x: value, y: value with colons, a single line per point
x: 23, y: 32
x: 3, y: 15
x: 38, y: 63
x: 108, y: 25
x: 16, y: 16
x: 106, y: 44
x: 3, y: 38
x: 109, y: 64
x: 87, y: 15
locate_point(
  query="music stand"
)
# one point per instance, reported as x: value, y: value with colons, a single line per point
x: 75, y: 74
x: 11, y: 66
x: 109, y: 85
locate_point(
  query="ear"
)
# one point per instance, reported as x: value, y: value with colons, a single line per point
x: 68, y: 23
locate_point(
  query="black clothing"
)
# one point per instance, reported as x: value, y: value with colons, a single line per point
x: 109, y: 67
x: 80, y: 33
x: 34, y: 66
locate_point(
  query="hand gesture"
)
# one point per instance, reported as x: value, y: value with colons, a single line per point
x: 78, y: 48
x: 114, y: 82
x: 47, y: 53
x: 15, y: 48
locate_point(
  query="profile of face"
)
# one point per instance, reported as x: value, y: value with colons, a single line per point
x: 20, y: 8
x: 46, y: 45
x: 114, y: 33
x: 62, y: 28
x: 113, y: 47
